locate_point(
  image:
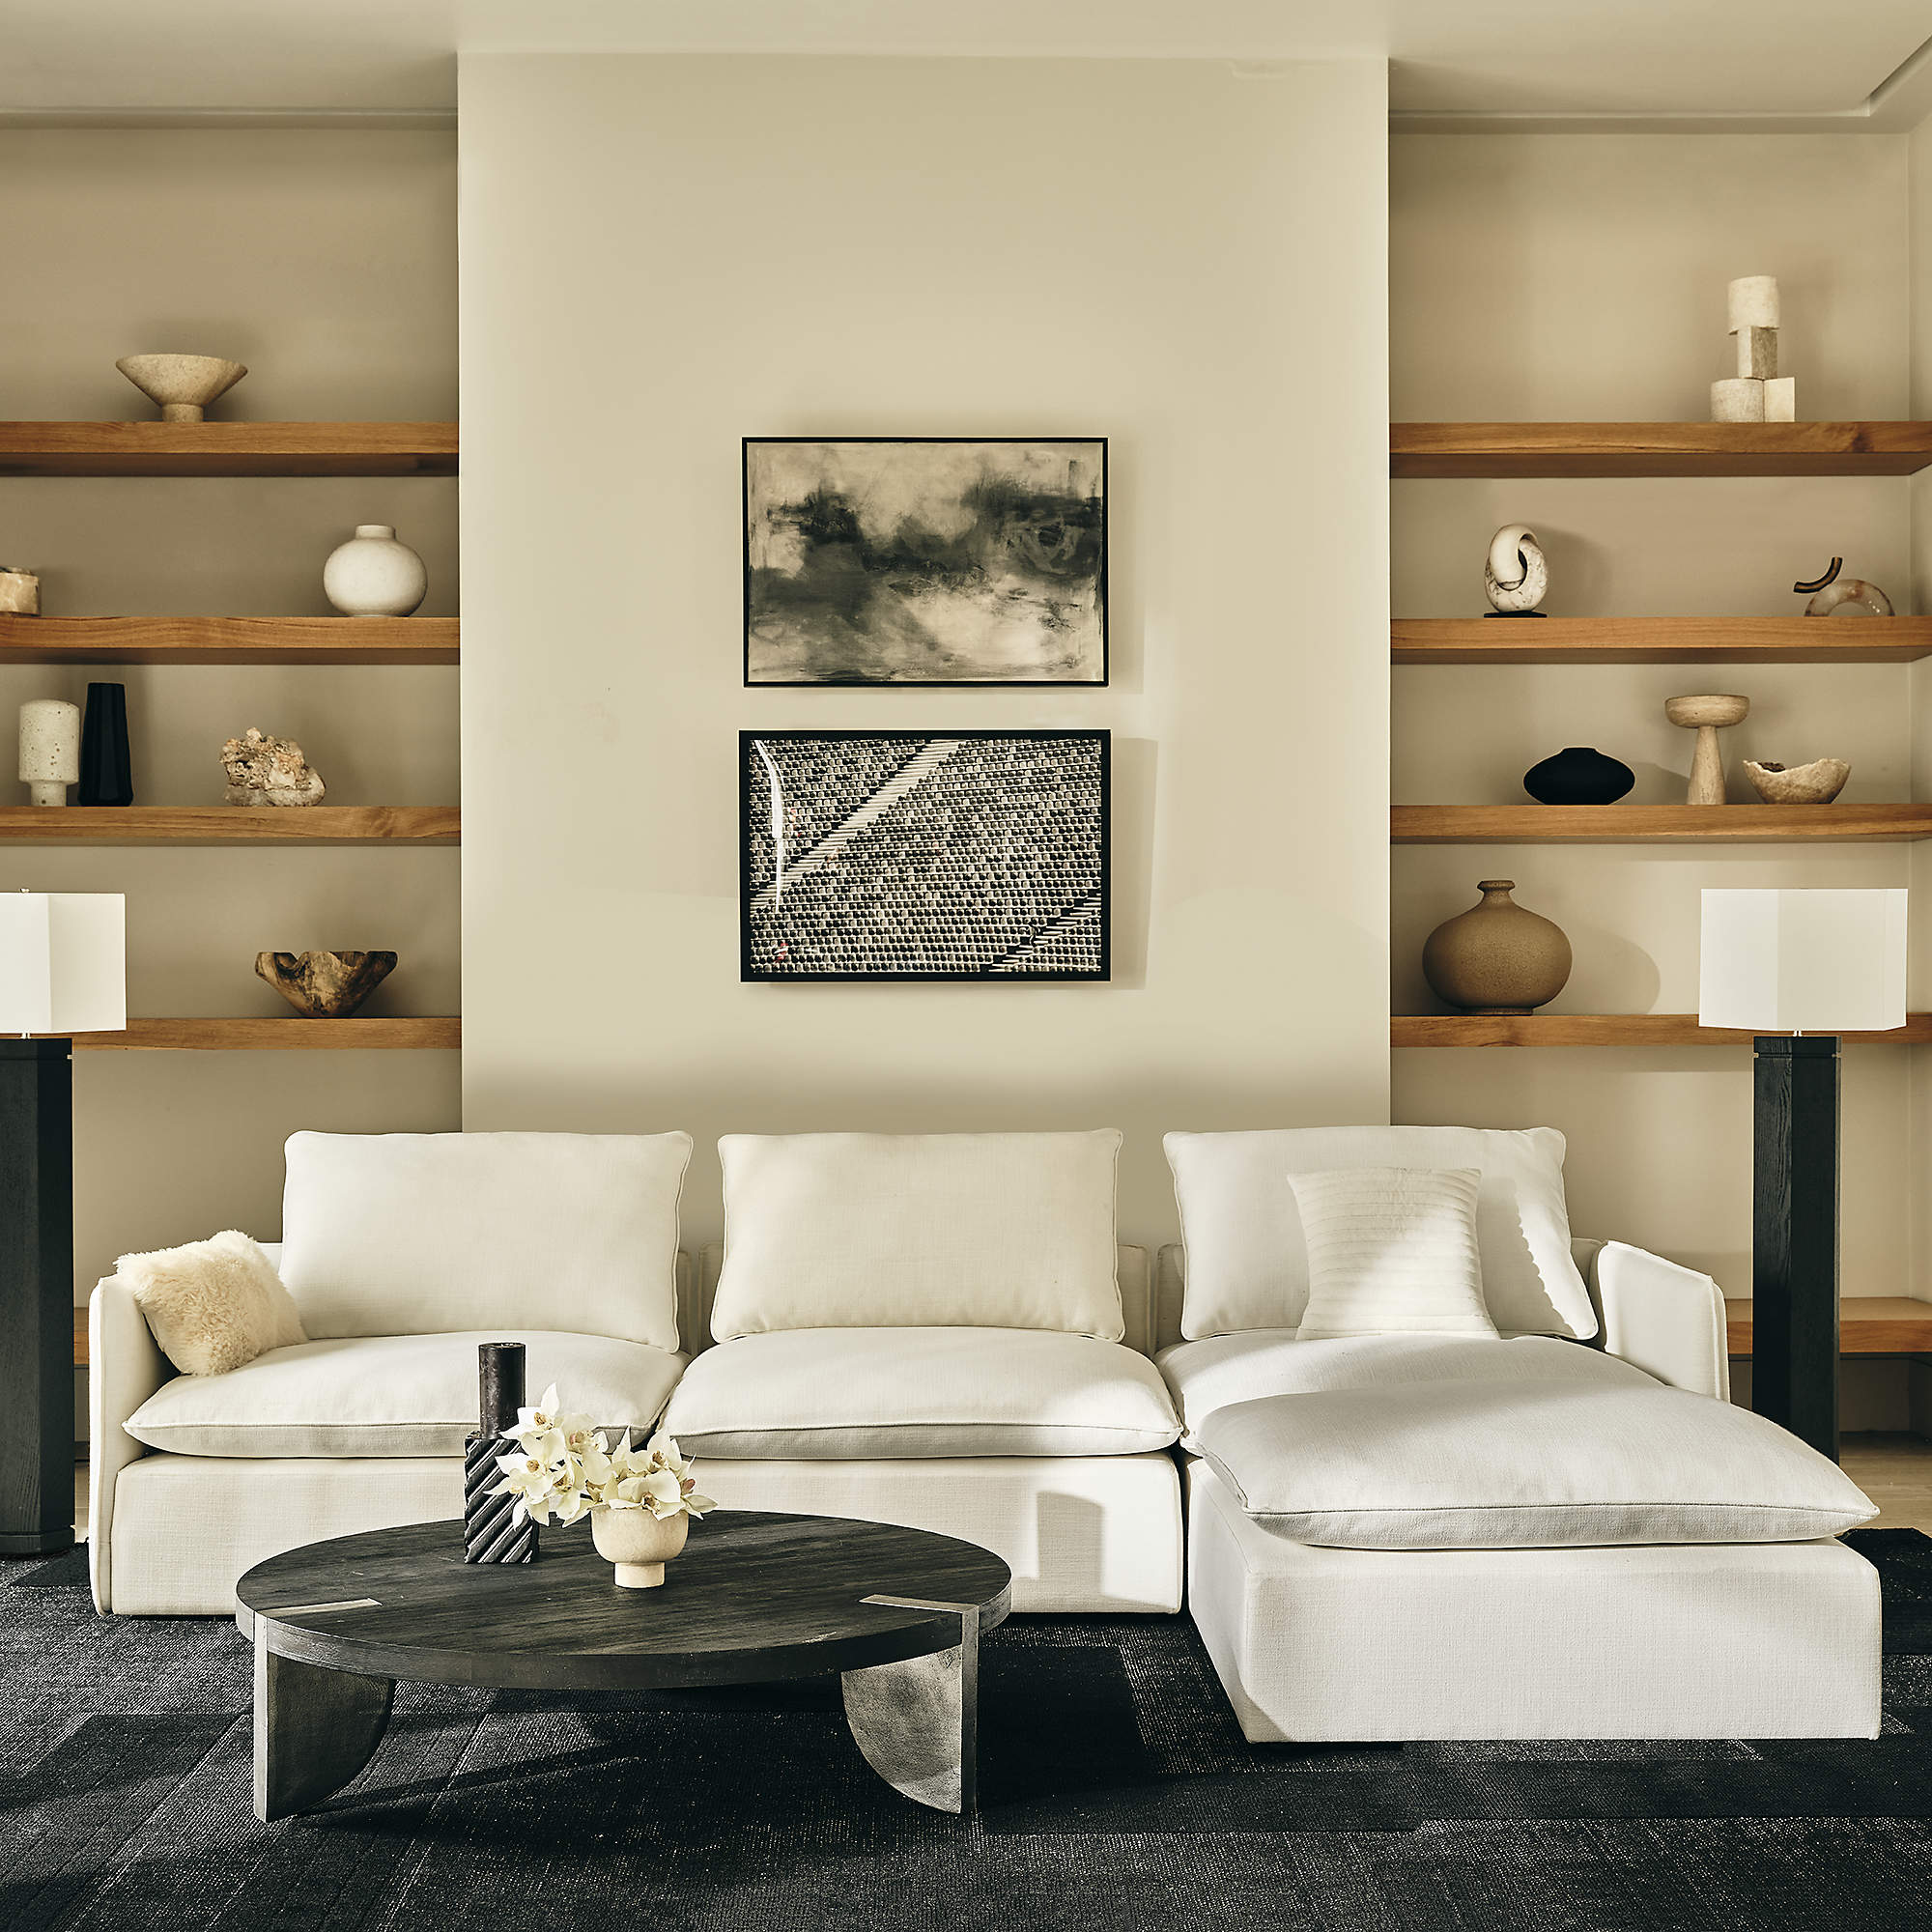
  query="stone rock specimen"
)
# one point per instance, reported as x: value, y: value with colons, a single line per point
x: 324, y: 985
x: 268, y: 771
x: 1757, y: 392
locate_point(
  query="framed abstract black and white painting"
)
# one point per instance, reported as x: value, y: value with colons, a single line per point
x: 925, y: 560
x: 925, y: 855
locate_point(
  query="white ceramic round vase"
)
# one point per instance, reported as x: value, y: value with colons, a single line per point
x: 373, y: 575
x: 639, y: 1543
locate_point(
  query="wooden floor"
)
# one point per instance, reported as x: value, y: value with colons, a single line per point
x: 1895, y: 1471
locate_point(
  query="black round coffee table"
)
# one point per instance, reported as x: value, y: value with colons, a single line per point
x: 754, y: 1598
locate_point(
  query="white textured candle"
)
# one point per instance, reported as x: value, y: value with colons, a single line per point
x: 49, y: 748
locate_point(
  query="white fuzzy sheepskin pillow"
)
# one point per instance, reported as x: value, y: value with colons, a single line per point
x: 213, y: 1305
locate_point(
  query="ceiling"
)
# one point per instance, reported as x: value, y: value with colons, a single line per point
x: 1544, y: 59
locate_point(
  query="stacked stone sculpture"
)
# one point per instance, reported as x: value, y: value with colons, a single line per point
x: 1757, y: 392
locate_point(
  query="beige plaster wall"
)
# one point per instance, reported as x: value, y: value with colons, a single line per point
x: 1582, y: 277
x: 661, y: 255
x: 325, y: 261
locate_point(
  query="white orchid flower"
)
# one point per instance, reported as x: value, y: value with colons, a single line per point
x: 538, y: 1420
x: 696, y: 1505
x: 569, y: 1504
x: 662, y: 1494
x: 664, y: 1453
x: 533, y: 1482
x: 592, y: 1457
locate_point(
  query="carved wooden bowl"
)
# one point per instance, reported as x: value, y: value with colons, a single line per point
x: 324, y: 985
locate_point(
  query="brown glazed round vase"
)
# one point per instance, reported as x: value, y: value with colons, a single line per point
x: 1498, y: 958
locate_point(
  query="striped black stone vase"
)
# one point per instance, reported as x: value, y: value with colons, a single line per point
x: 491, y: 1532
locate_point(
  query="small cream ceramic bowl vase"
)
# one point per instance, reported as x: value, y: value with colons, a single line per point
x: 1817, y: 784
x: 182, y: 384
x: 639, y: 1543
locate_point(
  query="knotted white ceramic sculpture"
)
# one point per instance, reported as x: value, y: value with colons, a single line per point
x: 1517, y: 574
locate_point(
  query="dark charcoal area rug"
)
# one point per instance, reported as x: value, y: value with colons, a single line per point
x: 1117, y: 1792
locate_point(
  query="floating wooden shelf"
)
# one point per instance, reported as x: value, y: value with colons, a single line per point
x: 1681, y: 824
x: 228, y: 825
x: 228, y: 640
x: 227, y: 449
x: 80, y: 1338
x: 1603, y: 1029
x: 1660, y: 450
x: 1501, y: 640
x: 273, y: 1033
x: 1869, y: 1325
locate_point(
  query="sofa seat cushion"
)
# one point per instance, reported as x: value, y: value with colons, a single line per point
x: 1522, y: 1466
x: 842, y: 1394
x: 1227, y: 1369
x: 392, y: 1395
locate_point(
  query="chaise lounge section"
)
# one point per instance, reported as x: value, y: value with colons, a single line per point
x: 1315, y: 1640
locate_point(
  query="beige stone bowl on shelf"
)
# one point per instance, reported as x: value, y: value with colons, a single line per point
x: 182, y: 384
x: 1817, y: 784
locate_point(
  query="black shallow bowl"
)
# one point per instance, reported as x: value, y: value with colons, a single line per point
x: 1578, y: 775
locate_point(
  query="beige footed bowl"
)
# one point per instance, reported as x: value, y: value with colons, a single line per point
x: 1817, y: 784
x: 182, y: 384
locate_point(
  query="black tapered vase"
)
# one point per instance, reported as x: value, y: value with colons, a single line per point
x: 107, y: 775
x: 1578, y: 775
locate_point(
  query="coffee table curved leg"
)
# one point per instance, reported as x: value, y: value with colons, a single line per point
x: 916, y: 1722
x: 314, y: 1729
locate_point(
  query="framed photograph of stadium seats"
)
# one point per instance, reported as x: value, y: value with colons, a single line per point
x: 925, y: 560
x: 923, y: 855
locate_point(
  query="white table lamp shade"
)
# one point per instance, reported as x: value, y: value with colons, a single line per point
x: 63, y: 962
x: 1807, y: 961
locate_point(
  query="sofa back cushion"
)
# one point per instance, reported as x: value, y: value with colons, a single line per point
x: 1247, y: 1260
x: 427, y: 1233
x: 919, y: 1230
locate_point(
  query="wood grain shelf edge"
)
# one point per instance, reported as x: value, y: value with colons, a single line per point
x: 272, y: 1032
x: 1791, y: 640
x: 1875, y: 1324
x: 229, y: 825
x: 1659, y: 449
x: 219, y: 640
x: 1681, y: 824
x: 1477, y: 1030
x: 228, y: 449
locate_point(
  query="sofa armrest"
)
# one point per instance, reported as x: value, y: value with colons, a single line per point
x: 124, y: 1367
x: 1664, y: 1320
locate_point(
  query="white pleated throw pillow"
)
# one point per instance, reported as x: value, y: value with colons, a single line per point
x: 1522, y: 1466
x: 1391, y: 1251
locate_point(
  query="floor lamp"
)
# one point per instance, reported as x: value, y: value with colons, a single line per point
x: 1798, y: 969
x: 63, y: 971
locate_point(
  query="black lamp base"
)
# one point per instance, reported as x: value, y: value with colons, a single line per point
x: 35, y: 1296
x: 1795, y: 1238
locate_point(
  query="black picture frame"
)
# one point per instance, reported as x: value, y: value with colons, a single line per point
x: 750, y: 968
x: 747, y: 445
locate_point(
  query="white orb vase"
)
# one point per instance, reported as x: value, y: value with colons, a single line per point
x: 373, y: 575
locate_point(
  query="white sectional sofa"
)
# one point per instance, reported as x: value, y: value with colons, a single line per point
x: 940, y: 1331
x: 403, y: 1252
x: 1315, y: 1639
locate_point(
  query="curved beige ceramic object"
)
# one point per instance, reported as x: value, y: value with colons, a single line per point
x: 1498, y: 958
x: 182, y: 384
x: 1817, y: 784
